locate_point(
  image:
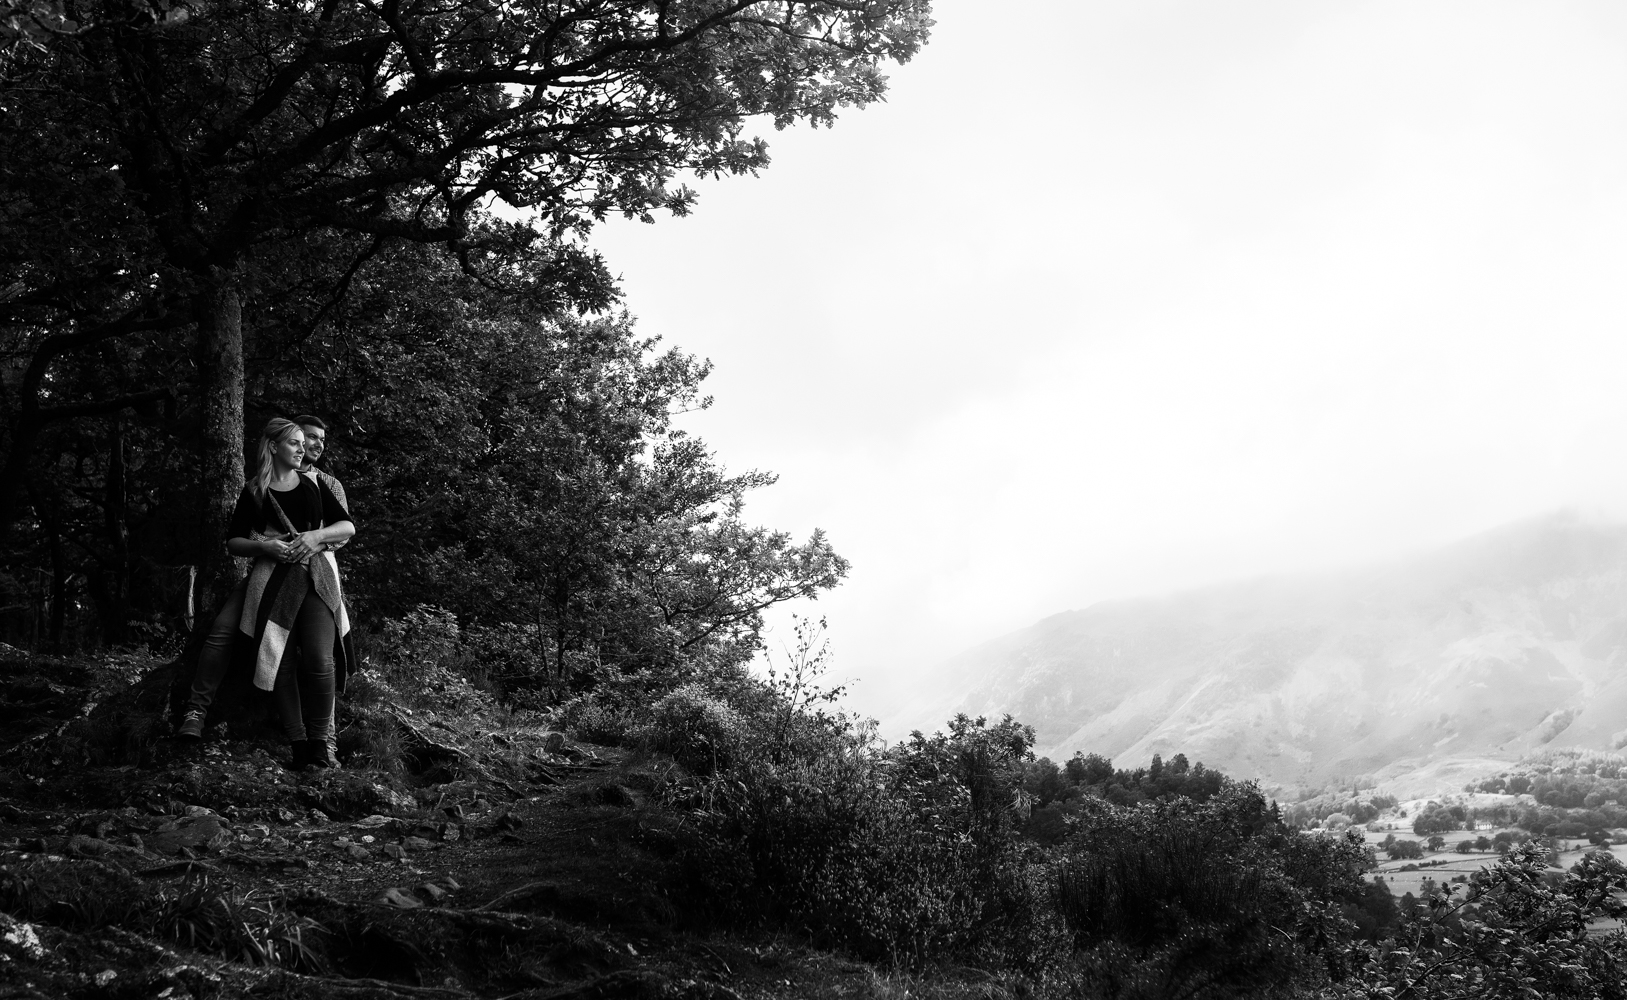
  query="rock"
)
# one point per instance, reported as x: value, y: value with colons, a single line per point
x: 135, y: 841
x: 192, y: 833
x: 399, y: 898
x: 395, y: 851
x: 554, y: 743
x: 451, y: 832
x: 19, y: 939
x: 346, y: 793
x: 81, y: 846
x: 418, y: 844
x: 508, y: 821
x: 357, y: 852
x: 431, y: 892
x: 451, y: 883
x: 372, y: 822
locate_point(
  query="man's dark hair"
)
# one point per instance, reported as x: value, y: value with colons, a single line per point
x: 306, y: 420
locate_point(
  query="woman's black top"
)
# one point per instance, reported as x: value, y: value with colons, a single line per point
x: 308, y: 505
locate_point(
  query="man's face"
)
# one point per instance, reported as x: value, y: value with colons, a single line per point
x: 316, y: 440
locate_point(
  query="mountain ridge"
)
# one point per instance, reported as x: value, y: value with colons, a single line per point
x: 1418, y: 674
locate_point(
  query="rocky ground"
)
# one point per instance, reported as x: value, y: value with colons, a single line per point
x: 475, y: 855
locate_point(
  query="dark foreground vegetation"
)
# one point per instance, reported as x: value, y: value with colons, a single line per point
x: 727, y: 837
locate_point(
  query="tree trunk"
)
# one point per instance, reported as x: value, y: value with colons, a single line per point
x: 219, y: 312
x: 59, y: 588
x: 220, y: 356
x: 46, y: 505
x: 114, y: 599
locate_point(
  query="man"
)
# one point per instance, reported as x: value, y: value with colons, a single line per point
x: 205, y: 685
x: 316, y: 442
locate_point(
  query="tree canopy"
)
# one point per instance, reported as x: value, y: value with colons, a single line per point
x: 163, y: 164
x: 213, y: 213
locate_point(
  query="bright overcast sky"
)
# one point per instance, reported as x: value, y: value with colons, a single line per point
x: 1111, y: 299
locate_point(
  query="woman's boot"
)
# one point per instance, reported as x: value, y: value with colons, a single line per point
x: 323, y: 753
x: 303, y: 757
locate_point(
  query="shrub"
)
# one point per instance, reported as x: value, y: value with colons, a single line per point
x: 1516, y: 929
x: 422, y: 660
x: 1210, y: 900
x: 698, y: 730
x: 905, y: 855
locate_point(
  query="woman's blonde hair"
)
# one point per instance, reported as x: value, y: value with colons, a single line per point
x: 276, y: 432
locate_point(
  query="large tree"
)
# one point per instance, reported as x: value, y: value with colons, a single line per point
x: 159, y: 161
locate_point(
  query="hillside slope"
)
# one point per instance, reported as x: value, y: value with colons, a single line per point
x: 495, y: 859
x: 1420, y: 673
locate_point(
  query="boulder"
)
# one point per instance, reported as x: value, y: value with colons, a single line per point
x: 203, y: 832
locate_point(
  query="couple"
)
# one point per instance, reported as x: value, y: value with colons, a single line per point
x: 289, y: 519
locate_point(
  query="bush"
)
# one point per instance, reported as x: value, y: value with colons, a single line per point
x: 422, y: 659
x: 695, y: 728
x: 905, y: 855
x: 1210, y: 899
x: 1516, y: 929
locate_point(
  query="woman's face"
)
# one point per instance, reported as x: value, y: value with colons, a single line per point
x: 290, y: 451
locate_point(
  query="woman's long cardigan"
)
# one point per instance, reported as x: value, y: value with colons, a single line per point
x: 273, y: 595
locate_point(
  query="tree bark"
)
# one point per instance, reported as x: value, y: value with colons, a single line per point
x: 59, y: 590
x: 220, y: 356
x: 114, y: 599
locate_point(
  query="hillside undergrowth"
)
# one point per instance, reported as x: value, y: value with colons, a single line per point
x: 719, y: 835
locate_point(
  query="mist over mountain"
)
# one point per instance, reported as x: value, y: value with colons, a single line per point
x: 1419, y: 674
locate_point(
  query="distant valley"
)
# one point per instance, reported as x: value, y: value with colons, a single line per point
x: 1418, y: 675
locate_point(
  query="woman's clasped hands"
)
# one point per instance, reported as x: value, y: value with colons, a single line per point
x: 297, y: 548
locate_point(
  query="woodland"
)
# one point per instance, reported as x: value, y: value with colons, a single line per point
x: 562, y: 775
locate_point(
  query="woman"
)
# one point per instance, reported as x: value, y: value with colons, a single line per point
x: 285, y: 522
